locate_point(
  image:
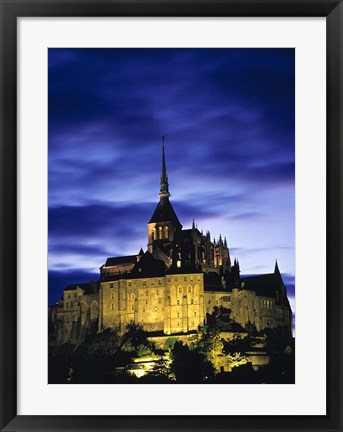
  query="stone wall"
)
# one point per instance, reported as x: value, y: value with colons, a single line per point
x: 173, y: 304
x: 217, y: 298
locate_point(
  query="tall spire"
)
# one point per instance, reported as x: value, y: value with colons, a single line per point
x: 164, y: 186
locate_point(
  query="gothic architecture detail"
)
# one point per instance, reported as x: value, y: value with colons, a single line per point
x: 171, y: 287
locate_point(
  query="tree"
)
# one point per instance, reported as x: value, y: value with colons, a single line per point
x: 276, y: 339
x: 220, y: 318
x: 190, y: 366
x: 238, y: 345
x: 136, y: 339
x: 136, y: 334
x: 251, y: 328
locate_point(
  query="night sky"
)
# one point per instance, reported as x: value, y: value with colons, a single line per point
x: 228, y: 118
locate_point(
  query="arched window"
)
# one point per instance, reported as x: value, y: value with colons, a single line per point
x: 94, y: 310
x: 166, y: 232
x: 160, y: 233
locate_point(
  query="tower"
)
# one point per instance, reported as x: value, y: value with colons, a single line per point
x: 164, y: 223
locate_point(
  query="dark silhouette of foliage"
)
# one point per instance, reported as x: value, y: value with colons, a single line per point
x: 190, y: 366
x: 220, y: 318
x: 59, y: 364
x: 238, y: 344
x: 136, y: 340
x: 135, y: 334
x: 276, y: 339
x: 251, y: 329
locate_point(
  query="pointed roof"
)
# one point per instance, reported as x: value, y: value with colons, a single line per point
x: 148, y: 266
x: 264, y: 285
x: 164, y: 212
x: 164, y: 186
x: 113, y: 261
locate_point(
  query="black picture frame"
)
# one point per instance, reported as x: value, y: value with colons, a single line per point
x: 10, y: 11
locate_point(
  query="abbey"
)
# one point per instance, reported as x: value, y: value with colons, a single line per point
x: 171, y: 287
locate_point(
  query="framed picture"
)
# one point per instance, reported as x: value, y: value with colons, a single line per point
x: 231, y: 114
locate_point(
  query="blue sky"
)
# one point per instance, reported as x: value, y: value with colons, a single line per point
x: 228, y: 118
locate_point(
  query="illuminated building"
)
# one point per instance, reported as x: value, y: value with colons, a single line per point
x: 171, y: 286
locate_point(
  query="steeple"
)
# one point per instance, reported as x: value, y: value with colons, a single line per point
x: 164, y: 186
x: 276, y: 269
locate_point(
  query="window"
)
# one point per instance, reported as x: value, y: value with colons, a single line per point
x: 133, y: 307
x: 157, y: 292
x: 146, y: 302
x: 185, y: 278
x: 180, y: 290
x: 159, y: 300
x: 144, y: 309
x: 67, y: 305
x: 144, y: 283
x: 159, y: 282
x: 133, y: 295
x: 166, y: 232
x: 129, y: 283
x: 178, y: 302
x: 178, y: 324
x: 160, y: 233
x: 192, y: 301
x: 146, y: 293
x: 189, y: 289
x: 178, y: 315
x: 111, y: 285
x: 112, y: 296
x: 112, y: 306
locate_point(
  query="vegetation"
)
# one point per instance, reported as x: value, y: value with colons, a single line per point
x: 208, y: 358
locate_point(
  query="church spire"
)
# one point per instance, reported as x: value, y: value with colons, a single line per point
x: 164, y: 186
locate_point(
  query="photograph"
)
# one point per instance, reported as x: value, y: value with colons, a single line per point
x: 171, y: 216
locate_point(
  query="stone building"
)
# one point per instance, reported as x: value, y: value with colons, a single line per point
x: 171, y: 287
